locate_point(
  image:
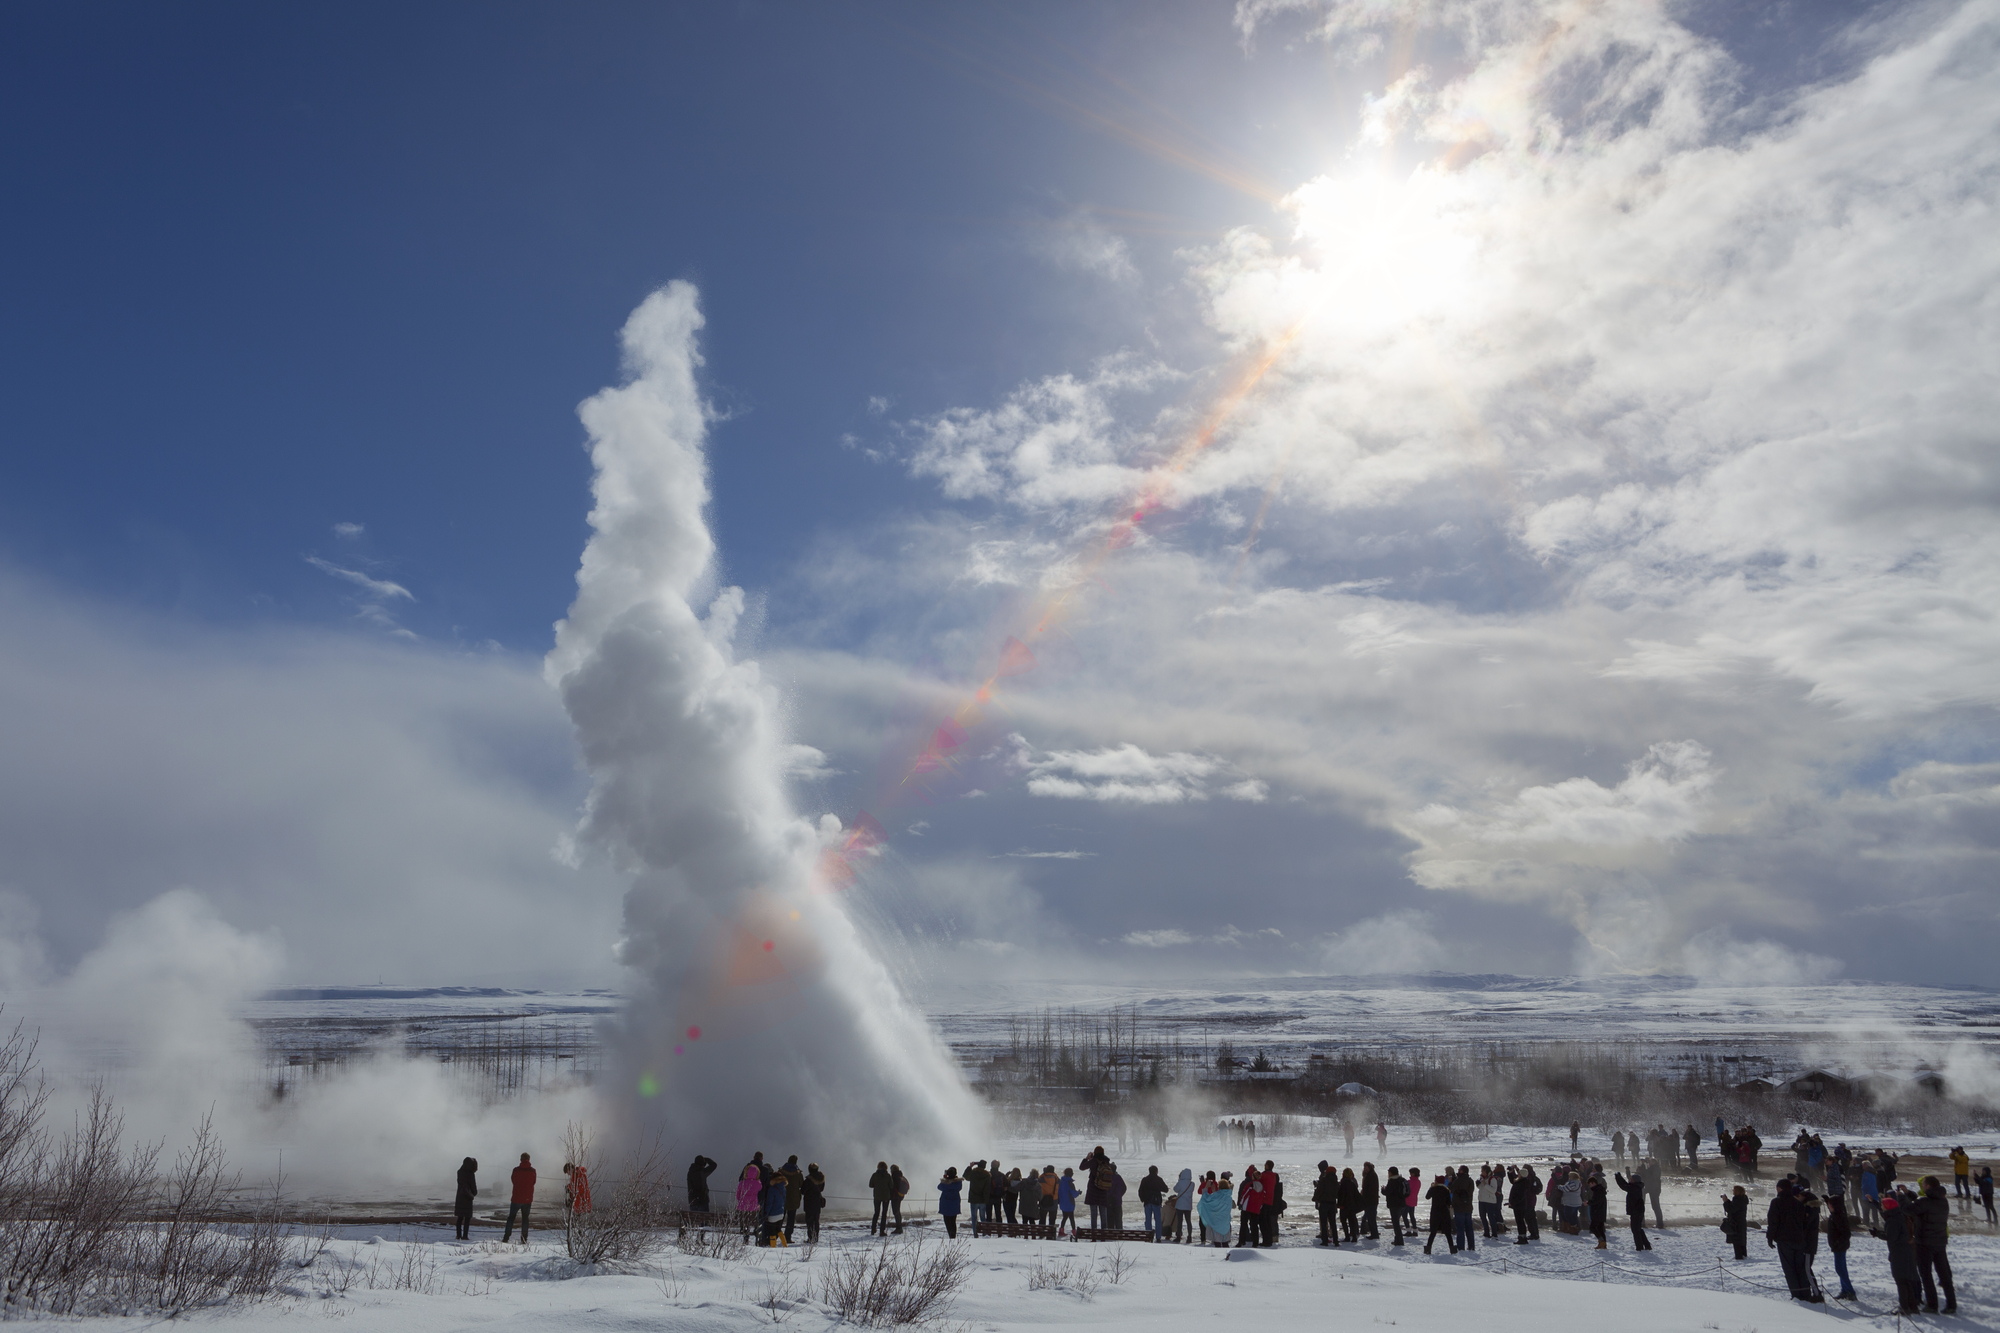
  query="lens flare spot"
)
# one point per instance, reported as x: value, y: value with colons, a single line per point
x: 679, y: 1049
x: 795, y: 914
x: 770, y: 945
x: 648, y: 1086
x: 694, y: 1034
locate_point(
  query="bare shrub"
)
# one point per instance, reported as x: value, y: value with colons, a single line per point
x: 191, y: 1256
x: 1075, y: 1274
x: 1118, y: 1261
x: 914, y: 1282
x: 65, y: 1242
x: 87, y: 1225
x: 627, y: 1208
x: 413, y: 1268
x: 314, y: 1237
x: 23, y: 1094
x: 778, y: 1296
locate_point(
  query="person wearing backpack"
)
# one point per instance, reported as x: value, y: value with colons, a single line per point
x: 1347, y: 1197
x: 1274, y: 1203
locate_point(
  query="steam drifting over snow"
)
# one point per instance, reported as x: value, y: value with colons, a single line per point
x: 761, y: 1019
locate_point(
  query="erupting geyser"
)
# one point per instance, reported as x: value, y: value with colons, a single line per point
x: 760, y: 1019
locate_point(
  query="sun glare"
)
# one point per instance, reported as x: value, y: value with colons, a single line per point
x: 1386, y: 252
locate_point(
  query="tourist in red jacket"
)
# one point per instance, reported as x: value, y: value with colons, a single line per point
x: 524, y: 1197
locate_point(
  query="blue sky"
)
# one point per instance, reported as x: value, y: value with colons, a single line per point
x: 1625, y: 548
x: 359, y: 264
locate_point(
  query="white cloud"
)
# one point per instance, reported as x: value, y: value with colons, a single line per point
x: 1082, y: 244
x: 1663, y: 797
x: 371, y: 603
x: 1635, y: 410
x: 1024, y: 854
x: 379, y: 589
x: 348, y: 531
x: 803, y: 761
x: 1396, y: 942
x: 1158, y: 939
x: 1129, y: 774
x: 1173, y: 938
x: 1055, y: 442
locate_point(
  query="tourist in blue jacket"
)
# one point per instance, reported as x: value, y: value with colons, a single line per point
x: 948, y: 1192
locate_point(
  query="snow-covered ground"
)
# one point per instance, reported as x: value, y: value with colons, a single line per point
x: 412, y: 1281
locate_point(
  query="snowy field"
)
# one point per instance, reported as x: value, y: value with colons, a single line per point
x: 407, y: 1281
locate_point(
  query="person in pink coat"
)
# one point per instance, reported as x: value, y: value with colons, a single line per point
x: 750, y: 1193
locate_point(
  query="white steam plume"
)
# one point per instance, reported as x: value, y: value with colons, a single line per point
x: 154, y: 1011
x: 762, y: 1021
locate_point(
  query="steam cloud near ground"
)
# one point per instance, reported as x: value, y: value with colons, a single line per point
x: 155, y: 1011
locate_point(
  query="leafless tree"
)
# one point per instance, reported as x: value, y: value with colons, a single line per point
x: 627, y: 1206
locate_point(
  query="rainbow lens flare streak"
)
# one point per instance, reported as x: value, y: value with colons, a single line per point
x: 840, y: 864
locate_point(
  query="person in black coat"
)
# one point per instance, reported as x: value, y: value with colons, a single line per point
x: 1464, y: 1193
x: 1349, y: 1197
x: 1895, y: 1232
x: 1440, y: 1196
x: 1326, y: 1198
x: 1839, y: 1230
x: 1371, y: 1201
x: 1635, y: 1209
x: 1521, y: 1196
x: 812, y: 1200
x: 1930, y: 1217
x: 699, y: 1171
x: 1600, y: 1207
x: 1736, y: 1220
x: 1784, y: 1231
x: 882, y: 1186
x: 468, y: 1186
x: 1395, y: 1194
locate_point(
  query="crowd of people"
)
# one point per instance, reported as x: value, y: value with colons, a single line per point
x: 1829, y: 1193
